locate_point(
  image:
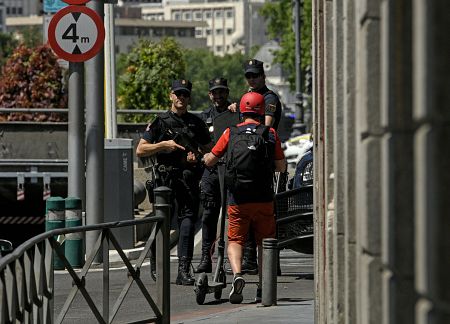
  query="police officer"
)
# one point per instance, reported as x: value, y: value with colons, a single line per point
x: 178, y: 166
x: 209, y: 186
x: 256, y: 80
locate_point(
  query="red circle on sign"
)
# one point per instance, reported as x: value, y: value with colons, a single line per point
x: 71, y: 57
x: 76, y: 2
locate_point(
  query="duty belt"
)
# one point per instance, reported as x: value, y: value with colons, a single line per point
x: 164, y: 168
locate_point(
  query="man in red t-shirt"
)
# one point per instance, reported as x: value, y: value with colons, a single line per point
x: 253, y: 207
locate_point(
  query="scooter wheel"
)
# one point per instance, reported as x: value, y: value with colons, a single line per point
x: 200, y: 289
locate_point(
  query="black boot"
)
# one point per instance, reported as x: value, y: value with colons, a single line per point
x: 205, y: 264
x: 249, y: 259
x: 249, y: 266
x: 184, y: 275
x: 153, y: 267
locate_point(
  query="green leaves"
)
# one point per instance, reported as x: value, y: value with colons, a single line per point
x: 279, y: 15
x: 148, y: 71
x: 203, y: 65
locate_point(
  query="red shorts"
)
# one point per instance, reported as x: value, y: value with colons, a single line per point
x: 260, y: 215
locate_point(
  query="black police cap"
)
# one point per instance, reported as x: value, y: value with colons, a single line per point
x: 253, y: 66
x: 185, y: 85
x: 218, y: 83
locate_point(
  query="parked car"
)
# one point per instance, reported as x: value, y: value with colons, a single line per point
x: 303, y: 175
x: 295, y: 148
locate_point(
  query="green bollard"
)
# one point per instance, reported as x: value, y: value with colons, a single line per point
x: 54, y: 218
x: 74, y: 241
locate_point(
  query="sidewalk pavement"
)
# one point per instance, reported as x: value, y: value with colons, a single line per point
x: 284, y: 312
x: 295, y: 302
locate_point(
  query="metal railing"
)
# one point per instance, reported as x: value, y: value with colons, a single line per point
x: 27, y: 274
x: 66, y: 110
x: 294, y: 215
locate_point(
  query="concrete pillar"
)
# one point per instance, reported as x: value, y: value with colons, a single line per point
x: 368, y: 146
x: 329, y: 153
x: 350, y: 163
x: 431, y: 113
x: 318, y: 148
x: 397, y: 163
x: 338, y: 164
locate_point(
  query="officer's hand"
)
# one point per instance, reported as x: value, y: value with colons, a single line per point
x: 171, y: 146
x: 233, y: 107
x: 191, y: 157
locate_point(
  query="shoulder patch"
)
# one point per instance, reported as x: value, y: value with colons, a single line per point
x: 271, y: 108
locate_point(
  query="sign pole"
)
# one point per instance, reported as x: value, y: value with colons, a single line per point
x: 76, y: 186
x: 110, y: 73
x: 95, y: 129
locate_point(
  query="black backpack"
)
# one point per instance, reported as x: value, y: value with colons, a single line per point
x: 249, y: 164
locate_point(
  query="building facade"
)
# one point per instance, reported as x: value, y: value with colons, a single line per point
x: 128, y: 31
x: 381, y: 136
x: 232, y: 26
x: 20, y: 8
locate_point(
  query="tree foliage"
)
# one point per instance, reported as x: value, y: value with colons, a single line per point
x: 202, y: 65
x: 279, y: 15
x: 7, y: 45
x: 31, y: 36
x: 32, y: 78
x: 146, y: 82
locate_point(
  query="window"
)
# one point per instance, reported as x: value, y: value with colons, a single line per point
x: 19, y: 10
x: 218, y: 13
x: 198, y: 32
x: 181, y: 32
x: 176, y: 16
x: 208, y: 32
x: 219, y: 31
x: 187, y: 16
x: 208, y: 15
x: 158, y: 32
x: 218, y: 48
x: 230, y: 13
x: 229, y: 31
x: 198, y: 15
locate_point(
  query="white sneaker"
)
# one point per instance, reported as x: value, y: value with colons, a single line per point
x: 236, y: 290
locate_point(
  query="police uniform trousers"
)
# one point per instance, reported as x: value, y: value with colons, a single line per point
x: 185, y: 190
x: 211, y: 201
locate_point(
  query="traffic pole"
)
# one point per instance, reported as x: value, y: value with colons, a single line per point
x: 74, y: 241
x: 55, y: 218
x: 269, y: 272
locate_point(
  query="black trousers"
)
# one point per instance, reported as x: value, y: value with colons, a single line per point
x: 211, y: 201
x: 185, y: 191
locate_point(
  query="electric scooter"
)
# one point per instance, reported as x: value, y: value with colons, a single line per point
x: 219, y: 281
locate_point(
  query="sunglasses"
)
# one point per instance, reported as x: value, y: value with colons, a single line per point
x: 252, y: 75
x: 180, y: 93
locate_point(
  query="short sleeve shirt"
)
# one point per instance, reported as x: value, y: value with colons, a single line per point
x: 208, y: 116
x: 222, y: 144
x: 272, y: 105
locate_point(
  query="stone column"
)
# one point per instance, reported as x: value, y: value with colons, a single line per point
x: 368, y: 173
x: 338, y: 163
x: 328, y: 154
x: 397, y: 163
x: 319, y: 148
x: 349, y: 162
x: 431, y: 113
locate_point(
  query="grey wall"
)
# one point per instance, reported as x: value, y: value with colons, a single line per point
x: 382, y: 130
